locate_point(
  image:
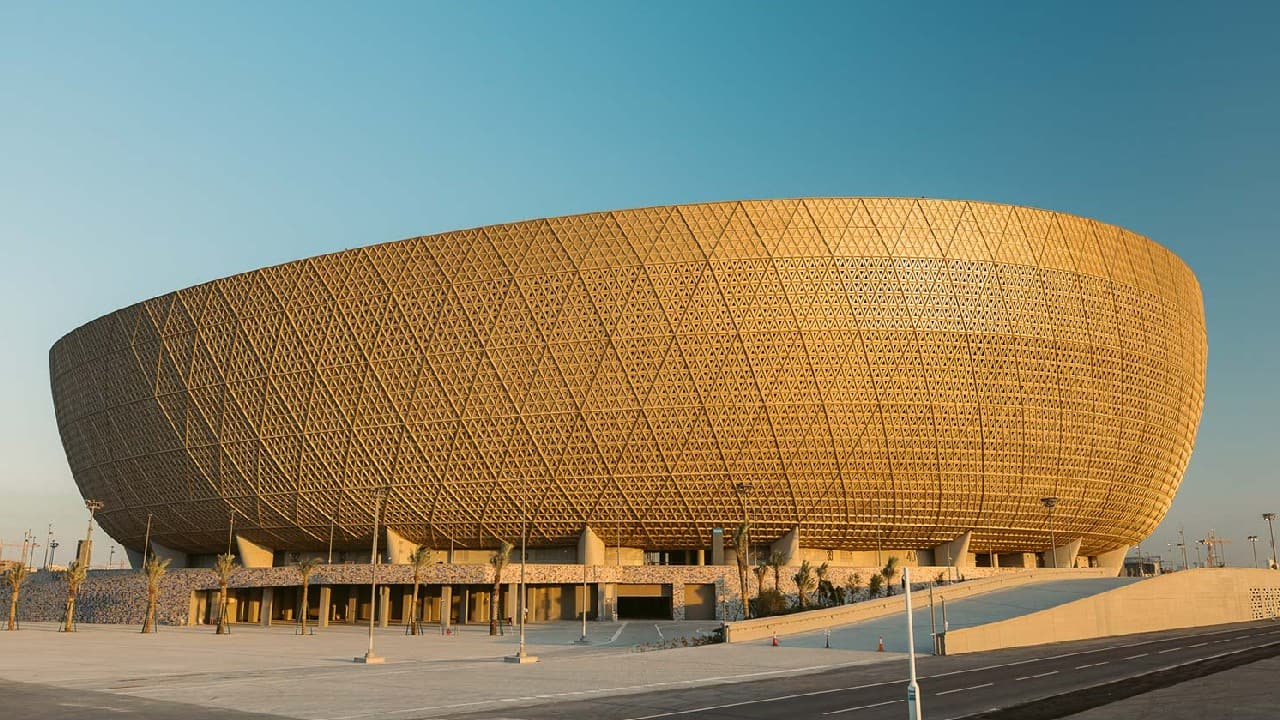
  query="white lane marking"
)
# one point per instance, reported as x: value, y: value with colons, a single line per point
x: 621, y: 627
x: 1135, y: 657
x: 1024, y: 677
x: 1045, y: 674
x: 1168, y: 650
x: 1198, y: 645
x: 975, y: 687
x: 655, y: 627
x: 863, y: 707
x: 1089, y: 665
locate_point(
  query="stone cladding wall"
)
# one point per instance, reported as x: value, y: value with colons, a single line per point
x: 119, y: 596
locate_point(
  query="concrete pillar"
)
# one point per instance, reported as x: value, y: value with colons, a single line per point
x: 398, y: 549
x: 267, y: 607
x: 464, y: 607
x: 701, y: 557
x: 446, y: 605
x: 193, y: 609
x: 590, y: 548
x: 717, y: 546
x: 176, y: 559
x: 1064, y: 556
x: 957, y: 550
x: 384, y: 605
x: 788, y: 546
x: 253, y: 555
x: 353, y: 600
x: 326, y: 594
x: 1113, y: 559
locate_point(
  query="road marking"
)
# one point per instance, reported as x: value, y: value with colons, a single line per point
x: 1045, y: 674
x: 621, y: 627
x: 1135, y: 657
x: 655, y: 627
x: 1168, y: 650
x: 863, y: 707
x: 1024, y: 677
x: 1089, y: 665
x: 975, y: 687
x: 1198, y: 645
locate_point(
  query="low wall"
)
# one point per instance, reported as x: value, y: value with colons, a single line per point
x: 1191, y: 598
x: 119, y: 596
x: 811, y: 620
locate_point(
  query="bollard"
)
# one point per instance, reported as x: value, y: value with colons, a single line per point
x: 881, y: 647
x: 775, y: 639
x: 827, y: 637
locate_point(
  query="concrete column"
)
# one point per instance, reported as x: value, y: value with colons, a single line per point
x: 398, y: 549
x: 326, y: 594
x: 788, y: 546
x: 957, y: 550
x: 446, y: 604
x: 193, y: 609
x: 1064, y: 556
x: 717, y: 546
x: 353, y: 602
x: 590, y: 548
x: 1113, y: 559
x: 384, y: 605
x: 253, y: 555
x: 267, y: 607
x: 701, y: 557
x: 511, y: 604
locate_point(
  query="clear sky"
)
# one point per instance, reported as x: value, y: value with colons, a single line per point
x: 149, y: 147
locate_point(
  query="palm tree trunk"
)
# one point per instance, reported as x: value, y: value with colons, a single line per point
x: 13, y: 610
x: 413, y: 610
x: 305, y: 606
x: 493, y: 608
x: 150, y: 617
x: 71, y: 613
x: 222, y: 611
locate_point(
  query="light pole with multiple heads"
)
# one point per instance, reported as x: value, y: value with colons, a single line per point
x: 1270, y: 517
x: 1049, y: 504
x: 1253, y: 540
x: 86, y: 552
x: 379, y: 500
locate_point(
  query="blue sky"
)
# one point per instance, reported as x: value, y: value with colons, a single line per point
x: 148, y: 147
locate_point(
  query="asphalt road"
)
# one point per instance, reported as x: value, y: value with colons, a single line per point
x: 950, y: 687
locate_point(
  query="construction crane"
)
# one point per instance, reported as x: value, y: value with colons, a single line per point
x: 1215, y: 556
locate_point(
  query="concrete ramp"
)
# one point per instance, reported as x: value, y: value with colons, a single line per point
x: 974, y: 611
x: 1191, y: 598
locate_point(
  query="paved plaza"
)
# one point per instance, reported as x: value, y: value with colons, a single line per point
x: 274, y: 671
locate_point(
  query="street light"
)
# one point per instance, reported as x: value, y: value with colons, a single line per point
x: 1253, y: 540
x: 1271, y: 518
x: 380, y: 498
x: 1049, y: 504
x: 521, y: 657
x: 86, y: 552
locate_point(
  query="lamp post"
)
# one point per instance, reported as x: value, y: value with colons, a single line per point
x: 369, y: 658
x: 53, y: 549
x: 1270, y: 517
x: 521, y: 657
x: 913, y: 689
x: 86, y: 552
x: 1253, y: 540
x: 48, y: 547
x: 1049, y: 504
x: 1198, y: 561
x: 1182, y: 543
x: 146, y: 542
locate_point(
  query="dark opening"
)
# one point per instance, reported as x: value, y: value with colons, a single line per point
x: 644, y: 608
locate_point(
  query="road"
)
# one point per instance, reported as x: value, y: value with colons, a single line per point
x: 953, y: 687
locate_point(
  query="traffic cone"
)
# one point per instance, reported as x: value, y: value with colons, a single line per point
x: 775, y: 639
x: 881, y: 647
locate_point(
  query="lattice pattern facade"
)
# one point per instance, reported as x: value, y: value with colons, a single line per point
x: 902, y: 368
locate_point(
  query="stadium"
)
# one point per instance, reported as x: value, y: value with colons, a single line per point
x: 849, y: 375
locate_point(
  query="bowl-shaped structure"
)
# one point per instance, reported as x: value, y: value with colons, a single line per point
x: 904, y: 368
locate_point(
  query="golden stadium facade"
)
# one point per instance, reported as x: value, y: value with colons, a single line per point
x: 878, y: 371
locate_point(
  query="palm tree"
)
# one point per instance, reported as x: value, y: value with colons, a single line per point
x: 825, y: 591
x: 501, y: 557
x: 153, y: 569
x: 75, y: 574
x: 305, y: 569
x: 740, y: 551
x: 804, y: 581
x: 419, y: 560
x: 17, y: 575
x: 223, y: 568
x: 776, y: 561
x: 874, y: 584
x: 890, y: 569
x: 852, y: 584
x: 761, y: 571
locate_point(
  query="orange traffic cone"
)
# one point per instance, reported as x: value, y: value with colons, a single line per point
x: 775, y: 639
x: 881, y: 647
